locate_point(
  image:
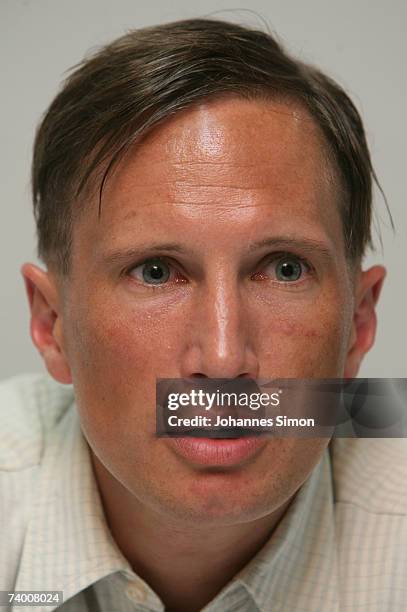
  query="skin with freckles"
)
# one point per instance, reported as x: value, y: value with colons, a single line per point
x: 211, y: 204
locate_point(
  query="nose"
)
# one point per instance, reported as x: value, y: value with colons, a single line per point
x: 218, y: 341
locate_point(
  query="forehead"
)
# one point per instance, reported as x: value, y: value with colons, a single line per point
x: 221, y: 158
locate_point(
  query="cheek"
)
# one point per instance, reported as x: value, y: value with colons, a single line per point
x: 116, y: 343
x: 306, y: 339
x: 115, y: 358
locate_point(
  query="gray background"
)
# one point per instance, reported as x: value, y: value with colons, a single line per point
x: 361, y: 43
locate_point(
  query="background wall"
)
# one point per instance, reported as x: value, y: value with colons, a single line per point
x: 361, y: 43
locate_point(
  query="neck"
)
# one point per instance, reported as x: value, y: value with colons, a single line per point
x: 186, y: 564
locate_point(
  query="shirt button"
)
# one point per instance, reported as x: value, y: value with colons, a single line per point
x: 137, y: 592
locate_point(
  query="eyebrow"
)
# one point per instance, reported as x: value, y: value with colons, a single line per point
x: 119, y: 256
x: 306, y: 245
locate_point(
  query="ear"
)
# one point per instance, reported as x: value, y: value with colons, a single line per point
x: 367, y: 291
x: 46, y: 321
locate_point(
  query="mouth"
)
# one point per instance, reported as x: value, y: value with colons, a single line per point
x: 219, y: 434
x: 222, y: 451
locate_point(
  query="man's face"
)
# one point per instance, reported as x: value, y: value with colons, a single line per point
x: 219, y: 253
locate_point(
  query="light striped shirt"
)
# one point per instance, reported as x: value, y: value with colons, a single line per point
x: 341, y: 546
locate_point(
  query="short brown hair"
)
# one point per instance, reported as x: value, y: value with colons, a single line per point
x: 113, y: 97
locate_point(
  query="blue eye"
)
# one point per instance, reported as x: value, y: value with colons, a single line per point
x: 284, y: 268
x: 153, y: 272
x: 288, y: 269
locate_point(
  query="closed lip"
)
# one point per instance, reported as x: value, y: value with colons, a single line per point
x: 211, y: 433
x: 217, y: 452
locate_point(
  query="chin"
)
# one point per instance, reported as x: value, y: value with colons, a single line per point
x: 221, y: 499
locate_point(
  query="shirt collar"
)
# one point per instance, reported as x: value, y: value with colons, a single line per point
x: 68, y: 544
x: 301, y: 555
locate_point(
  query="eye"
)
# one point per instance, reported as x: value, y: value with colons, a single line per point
x: 288, y: 269
x: 284, y: 268
x: 153, y: 272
